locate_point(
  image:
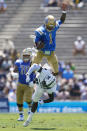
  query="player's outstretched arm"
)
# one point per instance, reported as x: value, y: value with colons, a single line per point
x: 34, y: 67
x: 64, y: 10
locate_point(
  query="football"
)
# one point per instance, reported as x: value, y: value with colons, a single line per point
x: 40, y: 45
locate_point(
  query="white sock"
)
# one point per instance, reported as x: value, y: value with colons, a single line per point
x: 30, y: 116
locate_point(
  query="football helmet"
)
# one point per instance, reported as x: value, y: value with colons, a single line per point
x: 50, y: 22
x: 26, y: 54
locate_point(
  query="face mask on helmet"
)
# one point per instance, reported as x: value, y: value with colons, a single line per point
x: 50, y: 22
x: 26, y: 58
x: 26, y: 55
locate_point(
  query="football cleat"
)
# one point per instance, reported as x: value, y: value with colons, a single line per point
x: 29, y: 119
x: 21, y: 118
x: 27, y: 122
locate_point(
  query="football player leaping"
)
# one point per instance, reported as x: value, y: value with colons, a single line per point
x: 45, y: 39
x: 24, y: 92
x: 45, y: 82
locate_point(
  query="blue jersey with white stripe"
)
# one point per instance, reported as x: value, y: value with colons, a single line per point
x: 48, y: 38
x: 23, y: 68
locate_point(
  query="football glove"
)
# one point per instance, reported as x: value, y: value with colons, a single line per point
x: 27, y: 77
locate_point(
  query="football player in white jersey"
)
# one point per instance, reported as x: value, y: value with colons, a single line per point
x: 45, y: 82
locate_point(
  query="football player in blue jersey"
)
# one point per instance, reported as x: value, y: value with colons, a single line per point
x: 45, y: 40
x: 24, y: 93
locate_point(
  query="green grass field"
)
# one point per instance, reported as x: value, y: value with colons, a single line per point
x: 43, y: 122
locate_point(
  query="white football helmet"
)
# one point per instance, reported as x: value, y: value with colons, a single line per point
x: 26, y: 54
x: 50, y: 22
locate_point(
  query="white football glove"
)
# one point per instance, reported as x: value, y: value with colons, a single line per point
x: 27, y: 77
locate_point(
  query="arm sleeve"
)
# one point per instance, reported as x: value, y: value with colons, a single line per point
x: 33, y: 68
x: 32, y: 76
x: 58, y: 23
x: 17, y: 63
x: 63, y: 17
x: 37, y: 37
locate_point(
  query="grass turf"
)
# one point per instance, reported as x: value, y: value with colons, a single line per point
x: 45, y: 122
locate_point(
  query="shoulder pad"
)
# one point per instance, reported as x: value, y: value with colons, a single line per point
x: 40, y: 30
x: 58, y: 22
x: 19, y: 61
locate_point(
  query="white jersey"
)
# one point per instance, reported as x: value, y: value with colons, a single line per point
x: 46, y: 82
x: 45, y: 78
x: 79, y: 45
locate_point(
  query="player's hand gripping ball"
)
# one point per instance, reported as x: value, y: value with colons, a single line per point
x: 40, y: 45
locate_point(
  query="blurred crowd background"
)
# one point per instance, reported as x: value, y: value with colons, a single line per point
x: 71, y: 86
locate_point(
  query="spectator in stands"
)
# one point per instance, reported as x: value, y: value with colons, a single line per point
x: 2, y: 56
x: 2, y: 74
x: 2, y: 87
x: 62, y: 93
x: 61, y: 67
x: 12, y: 95
x: 8, y: 44
x: 84, y: 93
x: 6, y: 64
x: 3, y: 6
x: 71, y: 65
x: 79, y: 3
x: 14, y: 55
x: 9, y: 49
x: 79, y: 46
x: 52, y: 3
x: 81, y: 83
x: 74, y: 90
x: 69, y: 2
x: 67, y: 74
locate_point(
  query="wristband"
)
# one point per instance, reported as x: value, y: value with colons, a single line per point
x: 64, y: 11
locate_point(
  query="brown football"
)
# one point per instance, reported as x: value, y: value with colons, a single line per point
x: 40, y: 45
